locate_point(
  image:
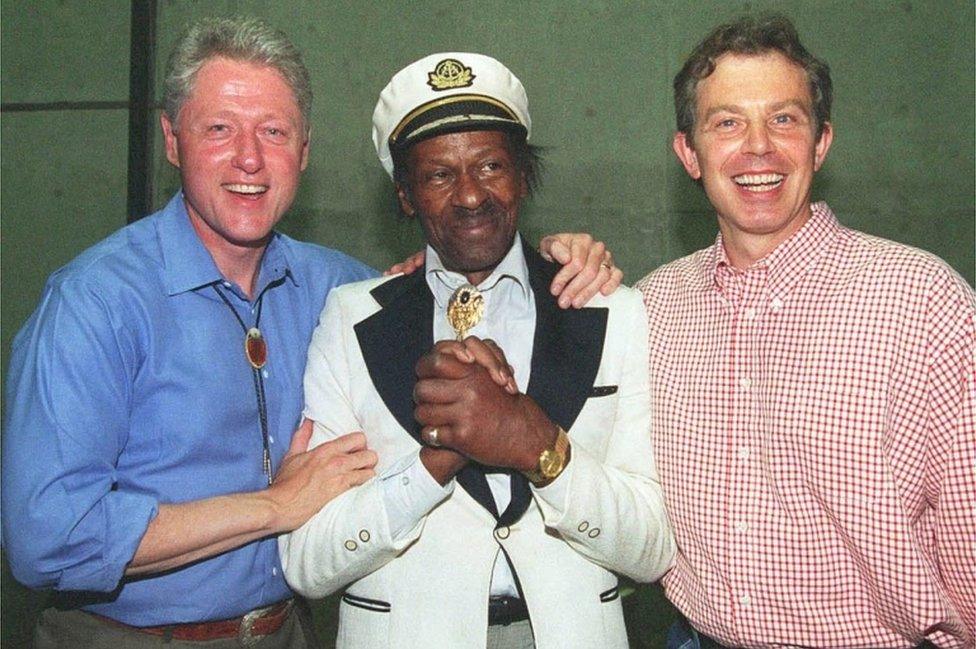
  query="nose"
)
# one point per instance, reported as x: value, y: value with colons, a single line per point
x: 469, y: 192
x: 757, y: 140
x: 248, y: 156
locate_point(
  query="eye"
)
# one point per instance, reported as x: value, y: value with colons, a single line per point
x: 784, y: 119
x: 218, y: 128
x: 727, y: 123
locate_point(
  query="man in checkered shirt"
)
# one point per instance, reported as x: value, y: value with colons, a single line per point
x: 813, y: 385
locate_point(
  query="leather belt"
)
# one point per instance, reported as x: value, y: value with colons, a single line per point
x: 505, y: 610
x: 249, y: 629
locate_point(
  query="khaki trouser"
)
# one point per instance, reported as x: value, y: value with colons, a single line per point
x: 75, y: 629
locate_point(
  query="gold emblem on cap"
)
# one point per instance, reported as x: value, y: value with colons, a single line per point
x: 450, y: 73
x: 464, y: 309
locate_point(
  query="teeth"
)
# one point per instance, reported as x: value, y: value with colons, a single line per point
x: 758, y: 182
x: 247, y: 189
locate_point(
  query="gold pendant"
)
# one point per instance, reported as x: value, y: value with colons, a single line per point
x: 255, y: 349
x: 464, y: 309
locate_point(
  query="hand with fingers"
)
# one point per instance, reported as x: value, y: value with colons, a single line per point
x: 309, y: 478
x: 587, y: 268
x: 475, y: 416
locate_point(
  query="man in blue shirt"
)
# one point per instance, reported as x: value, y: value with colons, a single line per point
x: 153, y: 394
x: 142, y: 431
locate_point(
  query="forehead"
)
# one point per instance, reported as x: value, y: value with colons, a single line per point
x: 221, y: 78
x: 459, y: 146
x: 743, y: 80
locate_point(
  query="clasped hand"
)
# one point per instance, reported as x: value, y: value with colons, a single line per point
x: 466, y: 391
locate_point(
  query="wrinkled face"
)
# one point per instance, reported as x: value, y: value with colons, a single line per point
x: 755, y: 148
x: 240, y: 146
x: 466, y: 189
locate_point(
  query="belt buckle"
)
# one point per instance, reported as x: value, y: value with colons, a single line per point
x: 244, y: 635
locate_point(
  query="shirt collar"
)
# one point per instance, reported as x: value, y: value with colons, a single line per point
x: 443, y: 282
x: 187, y: 262
x: 788, y: 261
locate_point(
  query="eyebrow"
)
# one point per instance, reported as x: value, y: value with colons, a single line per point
x: 780, y: 105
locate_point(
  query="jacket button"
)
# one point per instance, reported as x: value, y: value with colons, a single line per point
x: 364, y: 536
x: 595, y: 532
x: 351, y: 545
x: 502, y: 532
x: 583, y: 526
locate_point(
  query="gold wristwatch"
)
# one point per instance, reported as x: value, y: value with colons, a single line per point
x: 552, y: 460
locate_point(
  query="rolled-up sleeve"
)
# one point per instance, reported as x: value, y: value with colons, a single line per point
x: 66, y: 524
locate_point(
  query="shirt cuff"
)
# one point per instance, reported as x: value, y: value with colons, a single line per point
x: 409, y: 493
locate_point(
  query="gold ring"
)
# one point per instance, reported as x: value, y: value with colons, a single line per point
x: 432, y: 437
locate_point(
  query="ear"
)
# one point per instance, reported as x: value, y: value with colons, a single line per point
x: 686, y: 154
x: 404, y: 200
x: 823, y: 145
x: 308, y: 138
x: 169, y: 138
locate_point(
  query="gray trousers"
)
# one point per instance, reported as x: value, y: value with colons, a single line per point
x: 517, y: 635
x: 76, y: 629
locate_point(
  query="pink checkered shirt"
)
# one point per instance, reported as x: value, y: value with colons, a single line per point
x: 814, y: 431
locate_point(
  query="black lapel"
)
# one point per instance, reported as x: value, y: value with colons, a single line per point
x: 566, y: 353
x: 392, y: 340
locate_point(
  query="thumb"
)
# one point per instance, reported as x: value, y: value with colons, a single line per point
x: 553, y: 249
x: 299, y: 441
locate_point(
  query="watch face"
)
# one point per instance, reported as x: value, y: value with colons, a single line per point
x: 549, y: 463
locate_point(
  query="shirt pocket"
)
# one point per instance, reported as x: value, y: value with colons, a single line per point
x: 826, y: 449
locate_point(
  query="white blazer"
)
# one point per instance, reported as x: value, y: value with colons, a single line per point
x: 429, y: 589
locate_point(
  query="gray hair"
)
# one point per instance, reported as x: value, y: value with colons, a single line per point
x: 249, y: 40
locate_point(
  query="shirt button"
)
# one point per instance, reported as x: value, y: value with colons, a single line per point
x: 404, y: 480
x: 270, y: 439
x: 364, y: 536
x: 743, y: 453
x: 745, y: 600
x: 741, y: 526
x: 583, y: 526
x: 502, y: 532
x: 776, y: 304
x: 351, y: 545
x: 265, y: 374
x: 745, y: 382
x: 226, y: 284
x: 593, y: 533
x: 274, y: 571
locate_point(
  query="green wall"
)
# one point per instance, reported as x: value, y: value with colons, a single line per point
x: 598, y: 76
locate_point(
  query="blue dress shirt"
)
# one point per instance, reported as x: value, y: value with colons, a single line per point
x: 128, y: 387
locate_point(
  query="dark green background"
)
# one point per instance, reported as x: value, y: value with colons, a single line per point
x: 598, y: 76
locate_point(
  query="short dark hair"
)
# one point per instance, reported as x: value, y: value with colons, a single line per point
x: 751, y: 36
x: 528, y: 160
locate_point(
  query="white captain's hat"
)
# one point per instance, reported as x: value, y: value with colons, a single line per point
x: 446, y: 93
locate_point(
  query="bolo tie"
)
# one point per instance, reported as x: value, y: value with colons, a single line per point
x: 256, y: 353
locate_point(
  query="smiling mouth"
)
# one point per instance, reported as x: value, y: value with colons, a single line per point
x: 250, y: 190
x: 758, y: 182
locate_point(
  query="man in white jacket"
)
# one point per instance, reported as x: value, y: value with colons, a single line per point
x: 498, y: 517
